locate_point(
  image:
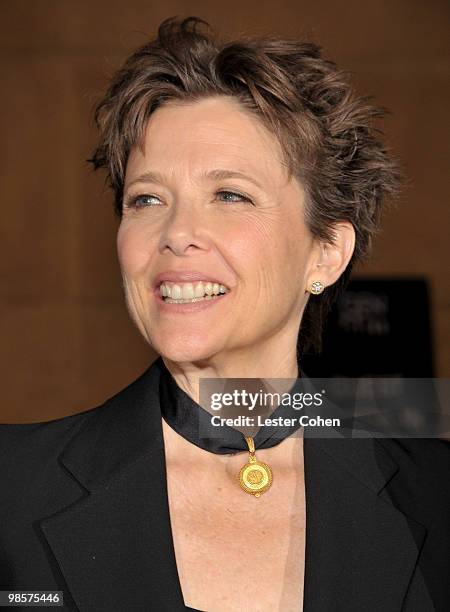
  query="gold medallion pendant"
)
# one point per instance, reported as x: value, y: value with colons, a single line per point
x: 255, y: 477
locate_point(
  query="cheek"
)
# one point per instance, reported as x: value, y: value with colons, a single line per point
x: 285, y: 259
x: 281, y: 246
x: 133, y: 249
x: 296, y: 252
x: 298, y: 244
x: 266, y: 251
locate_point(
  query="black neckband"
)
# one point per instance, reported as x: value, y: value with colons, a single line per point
x: 187, y: 418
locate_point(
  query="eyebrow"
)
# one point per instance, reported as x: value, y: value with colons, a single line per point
x: 218, y: 175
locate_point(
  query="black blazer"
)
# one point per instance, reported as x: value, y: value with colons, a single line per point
x: 84, y: 509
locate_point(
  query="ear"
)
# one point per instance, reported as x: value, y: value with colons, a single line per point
x: 331, y: 259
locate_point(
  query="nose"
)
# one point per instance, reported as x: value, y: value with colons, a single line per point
x: 183, y: 230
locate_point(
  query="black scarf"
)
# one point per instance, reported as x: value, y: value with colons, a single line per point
x: 187, y: 418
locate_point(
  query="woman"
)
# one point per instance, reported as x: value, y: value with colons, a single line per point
x: 249, y: 180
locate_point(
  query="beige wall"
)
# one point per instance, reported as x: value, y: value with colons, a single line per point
x: 66, y: 340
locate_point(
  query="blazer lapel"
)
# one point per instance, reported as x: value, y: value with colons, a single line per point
x: 114, y: 546
x: 361, y: 551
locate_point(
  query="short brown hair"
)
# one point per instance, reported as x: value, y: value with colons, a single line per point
x: 325, y: 130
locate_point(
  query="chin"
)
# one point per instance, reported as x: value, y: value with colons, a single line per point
x: 179, y: 352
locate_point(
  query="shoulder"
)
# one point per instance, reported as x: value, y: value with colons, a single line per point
x: 31, y: 443
x: 35, y: 458
x: 428, y: 456
x: 422, y: 483
x: 24, y: 441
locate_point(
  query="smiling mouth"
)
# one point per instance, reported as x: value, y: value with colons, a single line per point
x: 188, y: 293
x: 169, y: 300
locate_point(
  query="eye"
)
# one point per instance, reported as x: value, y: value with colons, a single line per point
x: 232, y: 196
x: 141, y: 201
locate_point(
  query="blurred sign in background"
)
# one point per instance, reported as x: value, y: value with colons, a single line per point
x: 379, y: 327
x: 380, y: 330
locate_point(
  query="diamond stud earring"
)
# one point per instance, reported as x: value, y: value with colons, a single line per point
x: 316, y: 287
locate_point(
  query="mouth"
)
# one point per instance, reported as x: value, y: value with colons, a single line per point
x: 190, y: 293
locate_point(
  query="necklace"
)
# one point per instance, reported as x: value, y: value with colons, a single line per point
x: 188, y: 418
x: 255, y: 477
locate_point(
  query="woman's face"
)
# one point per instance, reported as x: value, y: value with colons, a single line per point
x: 207, y: 193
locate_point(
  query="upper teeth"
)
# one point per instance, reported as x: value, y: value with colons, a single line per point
x: 186, y: 291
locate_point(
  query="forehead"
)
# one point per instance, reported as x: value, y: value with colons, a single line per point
x: 185, y: 136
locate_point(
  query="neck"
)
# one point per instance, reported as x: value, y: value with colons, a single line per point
x: 265, y: 363
x: 182, y: 454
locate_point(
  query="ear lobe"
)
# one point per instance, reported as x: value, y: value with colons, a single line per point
x: 332, y: 258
